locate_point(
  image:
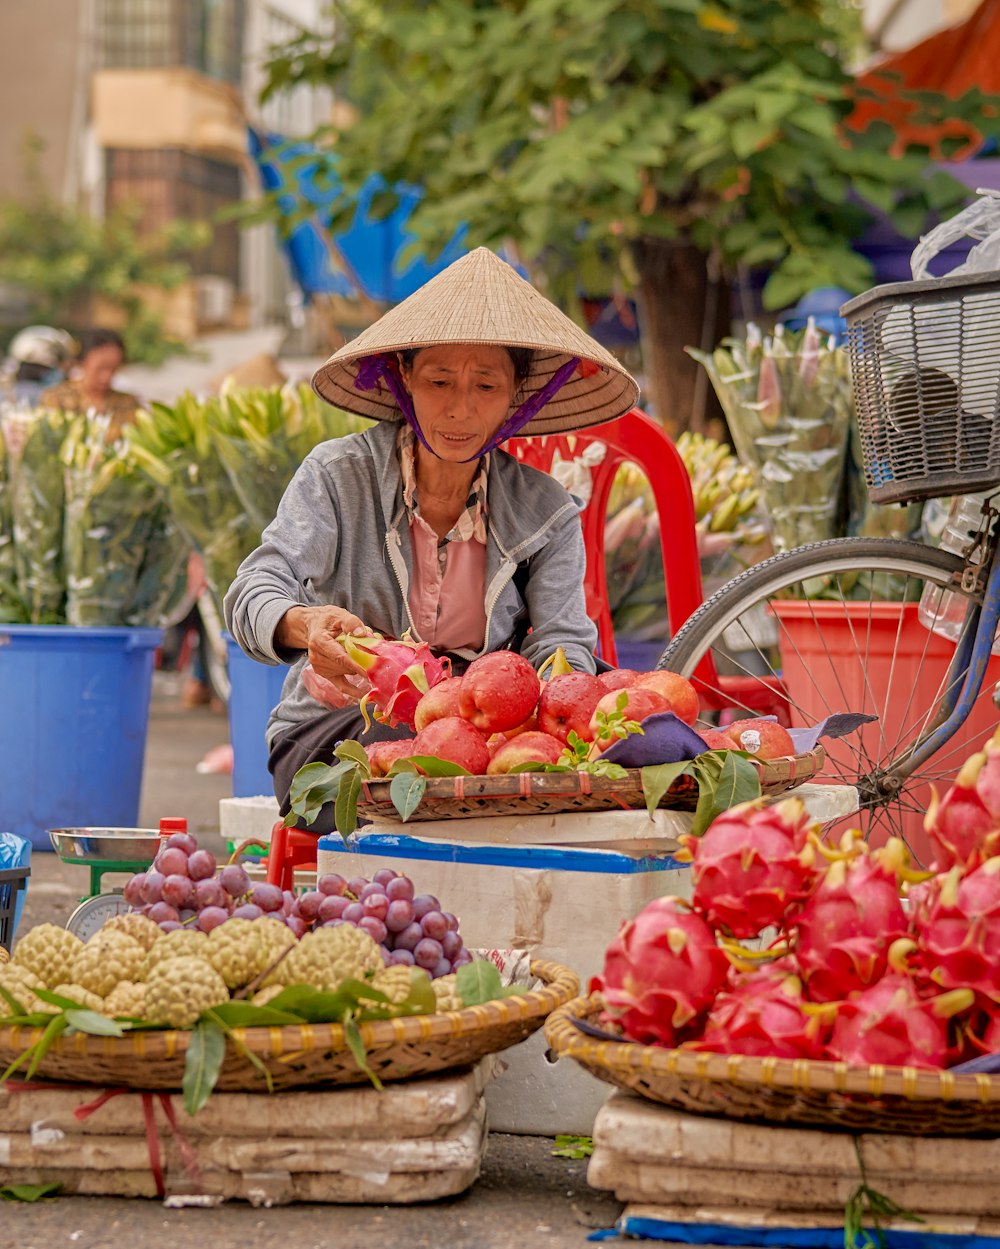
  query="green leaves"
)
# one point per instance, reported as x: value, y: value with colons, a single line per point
x: 573, y: 1146
x: 867, y: 1210
x: 480, y: 982
x: 406, y: 790
x: 29, y: 1192
x: 202, y: 1064
x: 725, y: 778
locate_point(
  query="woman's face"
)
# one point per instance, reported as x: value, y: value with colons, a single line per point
x: 98, y: 368
x: 461, y: 395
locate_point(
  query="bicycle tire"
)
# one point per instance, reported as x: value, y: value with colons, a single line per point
x: 794, y: 656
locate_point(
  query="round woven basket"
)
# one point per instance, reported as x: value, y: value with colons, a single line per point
x: 396, y: 1049
x: 549, y: 793
x: 778, y: 1090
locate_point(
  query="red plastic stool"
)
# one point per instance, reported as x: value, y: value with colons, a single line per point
x: 291, y: 848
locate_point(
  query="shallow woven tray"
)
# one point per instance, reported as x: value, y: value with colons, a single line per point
x: 777, y: 1090
x: 548, y: 793
x: 308, y: 1053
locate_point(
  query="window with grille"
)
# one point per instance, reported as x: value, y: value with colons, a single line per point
x: 169, y: 184
x: 206, y: 35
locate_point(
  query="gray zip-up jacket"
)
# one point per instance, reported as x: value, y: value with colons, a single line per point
x: 341, y: 536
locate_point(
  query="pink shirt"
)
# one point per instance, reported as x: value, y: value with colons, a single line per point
x: 447, y: 589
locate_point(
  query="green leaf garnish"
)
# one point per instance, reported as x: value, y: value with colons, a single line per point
x: 478, y: 982
x: 406, y: 790
x: 202, y: 1063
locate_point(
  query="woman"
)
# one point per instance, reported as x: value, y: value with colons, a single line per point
x: 420, y: 524
x: 100, y: 356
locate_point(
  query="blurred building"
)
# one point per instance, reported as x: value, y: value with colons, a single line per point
x: 895, y: 24
x: 148, y: 100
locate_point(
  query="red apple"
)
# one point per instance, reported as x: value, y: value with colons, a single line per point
x: 526, y: 726
x: 681, y: 696
x: 764, y: 738
x: 715, y: 740
x: 454, y: 739
x: 567, y: 704
x: 640, y: 704
x: 532, y: 747
x: 618, y: 678
x: 440, y: 700
x: 498, y: 691
x: 382, y: 755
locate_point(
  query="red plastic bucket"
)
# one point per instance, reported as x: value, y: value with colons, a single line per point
x: 878, y: 658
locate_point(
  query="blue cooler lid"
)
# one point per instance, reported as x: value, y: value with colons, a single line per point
x: 552, y: 858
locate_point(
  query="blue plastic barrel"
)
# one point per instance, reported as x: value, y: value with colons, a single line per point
x: 254, y: 691
x: 74, y: 708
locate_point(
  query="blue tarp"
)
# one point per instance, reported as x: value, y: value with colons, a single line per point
x: 365, y: 258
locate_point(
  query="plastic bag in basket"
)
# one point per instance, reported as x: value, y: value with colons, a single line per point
x: 945, y: 353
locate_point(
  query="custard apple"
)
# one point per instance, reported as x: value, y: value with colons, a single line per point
x: 108, y: 958
x: 446, y: 993
x: 181, y: 943
x: 127, y: 1000
x: 396, y: 982
x: 239, y: 951
x: 83, y: 997
x: 179, y: 989
x: 4, y: 955
x: 20, y: 983
x: 328, y: 956
x: 139, y: 927
x: 263, y: 996
x: 49, y: 952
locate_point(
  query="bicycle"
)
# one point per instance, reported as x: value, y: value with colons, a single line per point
x: 925, y: 362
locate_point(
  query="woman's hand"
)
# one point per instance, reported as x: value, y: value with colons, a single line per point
x: 316, y: 630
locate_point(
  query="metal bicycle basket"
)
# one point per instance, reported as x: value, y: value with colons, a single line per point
x: 925, y: 367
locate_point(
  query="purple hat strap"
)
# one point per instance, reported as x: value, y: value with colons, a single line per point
x: 374, y: 369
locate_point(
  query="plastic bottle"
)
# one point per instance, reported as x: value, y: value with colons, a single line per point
x: 173, y: 824
x: 943, y: 612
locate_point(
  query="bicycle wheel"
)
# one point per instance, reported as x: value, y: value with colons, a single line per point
x: 836, y: 626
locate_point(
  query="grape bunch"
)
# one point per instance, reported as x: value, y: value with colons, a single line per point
x: 411, y: 928
x: 184, y: 888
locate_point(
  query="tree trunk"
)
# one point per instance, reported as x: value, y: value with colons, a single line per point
x: 680, y: 306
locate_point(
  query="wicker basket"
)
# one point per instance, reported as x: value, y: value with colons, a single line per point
x: 549, y: 793
x: 925, y: 365
x: 777, y: 1090
x: 396, y: 1049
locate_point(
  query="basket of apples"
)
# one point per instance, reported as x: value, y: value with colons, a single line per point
x: 502, y: 739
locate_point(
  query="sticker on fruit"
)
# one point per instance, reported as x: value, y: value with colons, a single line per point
x: 501, y: 717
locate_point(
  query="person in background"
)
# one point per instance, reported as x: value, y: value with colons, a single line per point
x: 101, y: 354
x: 38, y: 357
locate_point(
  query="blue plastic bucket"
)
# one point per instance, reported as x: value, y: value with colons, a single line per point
x: 74, y: 708
x: 254, y: 691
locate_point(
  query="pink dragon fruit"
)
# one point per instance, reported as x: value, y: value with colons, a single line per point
x: 761, y: 1014
x: 889, y: 1023
x: 957, y: 930
x: 843, y: 933
x: 753, y: 866
x: 965, y: 825
x: 400, y: 673
x: 661, y: 972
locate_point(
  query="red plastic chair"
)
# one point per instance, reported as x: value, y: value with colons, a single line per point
x: 631, y: 439
x: 291, y: 850
x: 636, y: 439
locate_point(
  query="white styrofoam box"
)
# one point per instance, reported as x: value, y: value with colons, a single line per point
x: 535, y: 1095
x: 240, y: 818
x: 560, y: 904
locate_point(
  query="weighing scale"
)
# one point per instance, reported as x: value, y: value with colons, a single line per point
x: 124, y: 850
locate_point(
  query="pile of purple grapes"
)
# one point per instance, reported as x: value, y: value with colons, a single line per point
x: 185, y: 889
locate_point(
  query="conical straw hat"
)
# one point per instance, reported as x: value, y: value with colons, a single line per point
x: 480, y: 299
